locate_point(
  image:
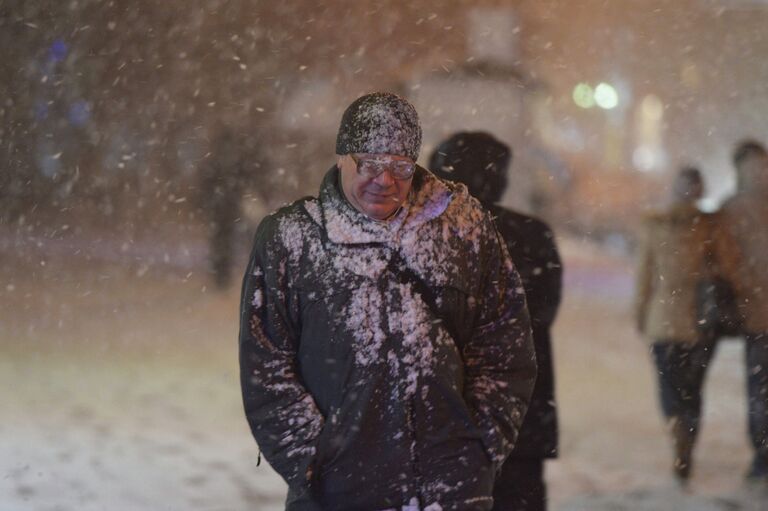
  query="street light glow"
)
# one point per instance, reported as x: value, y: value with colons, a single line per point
x: 606, y: 96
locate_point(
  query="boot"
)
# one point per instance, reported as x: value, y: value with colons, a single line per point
x: 683, y: 439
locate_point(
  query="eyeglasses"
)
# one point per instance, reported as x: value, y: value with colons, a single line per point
x: 373, y: 167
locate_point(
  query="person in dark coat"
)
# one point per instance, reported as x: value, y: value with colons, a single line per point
x: 222, y: 178
x: 480, y: 161
x: 746, y: 215
x: 385, y: 346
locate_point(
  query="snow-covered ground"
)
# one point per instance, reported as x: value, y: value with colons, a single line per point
x: 119, y: 391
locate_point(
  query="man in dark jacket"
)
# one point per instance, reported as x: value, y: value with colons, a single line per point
x: 746, y: 215
x: 480, y: 161
x: 385, y: 348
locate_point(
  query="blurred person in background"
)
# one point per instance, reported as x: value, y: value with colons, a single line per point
x: 746, y: 214
x: 222, y: 177
x: 481, y: 162
x: 385, y: 347
x: 681, y: 248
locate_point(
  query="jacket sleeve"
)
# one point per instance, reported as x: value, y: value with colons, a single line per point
x: 728, y: 256
x: 726, y: 249
x: 500, y: 361
x: 283, y: 416
x: 546, y: 281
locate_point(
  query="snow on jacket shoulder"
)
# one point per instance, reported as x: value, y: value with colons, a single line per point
x: 385, y: 360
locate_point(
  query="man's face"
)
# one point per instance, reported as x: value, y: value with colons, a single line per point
x: 380, y: 196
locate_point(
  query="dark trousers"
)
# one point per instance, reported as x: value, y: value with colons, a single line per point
x: 520, y: 486
x: 220, y: 242
x: 757, y: 385
x: 681, y: 370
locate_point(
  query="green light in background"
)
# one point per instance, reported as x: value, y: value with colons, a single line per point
x: 583, y: 95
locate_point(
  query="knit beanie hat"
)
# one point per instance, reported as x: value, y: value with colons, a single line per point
x: 380, y: 123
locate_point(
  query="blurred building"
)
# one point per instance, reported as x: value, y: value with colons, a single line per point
x: 487, y: 90
x: 116, y: 103
x: 686, y: 82
x: 483, y: 86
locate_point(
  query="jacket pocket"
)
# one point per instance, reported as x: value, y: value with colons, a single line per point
x: 330, y: 442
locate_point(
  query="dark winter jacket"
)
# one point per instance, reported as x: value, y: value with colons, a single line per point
x: 746, y: 216
x: 531, y: 246
x: 384, y: 360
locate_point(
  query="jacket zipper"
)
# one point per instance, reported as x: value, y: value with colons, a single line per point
x: 414, y: 454
x: 411, y: 407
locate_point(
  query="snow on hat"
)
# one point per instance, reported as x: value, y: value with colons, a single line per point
x: 380, y: 123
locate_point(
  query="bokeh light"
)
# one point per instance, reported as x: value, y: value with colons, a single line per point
x: 606, y: 96
x: 584, y: 95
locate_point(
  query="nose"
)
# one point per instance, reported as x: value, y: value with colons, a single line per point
x: 385, y: 179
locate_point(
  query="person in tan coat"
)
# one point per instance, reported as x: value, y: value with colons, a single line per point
x: 746, y: 215
x: 678, y: 248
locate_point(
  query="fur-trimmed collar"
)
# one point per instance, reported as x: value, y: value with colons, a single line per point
x: 429, y: 198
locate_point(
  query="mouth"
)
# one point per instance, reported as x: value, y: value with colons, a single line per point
x: 377, y: 197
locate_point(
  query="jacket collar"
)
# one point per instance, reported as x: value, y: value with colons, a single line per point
x: 343, y: 224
